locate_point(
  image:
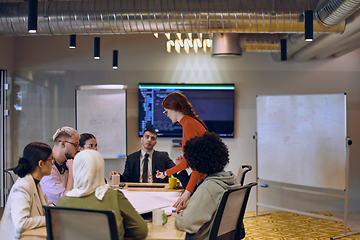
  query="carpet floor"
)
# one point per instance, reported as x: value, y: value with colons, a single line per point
x: 286, y: 225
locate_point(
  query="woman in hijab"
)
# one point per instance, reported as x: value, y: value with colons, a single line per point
x: 91, y: 192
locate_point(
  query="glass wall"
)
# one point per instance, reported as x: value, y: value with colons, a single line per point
x: 40, y: 102
x: 2, y: 147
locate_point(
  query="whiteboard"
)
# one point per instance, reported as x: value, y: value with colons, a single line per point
x: 302, y: 139
x: 103, y: 114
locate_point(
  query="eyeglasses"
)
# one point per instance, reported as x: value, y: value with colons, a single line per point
x: 51, y: 159
x: 165, y: 112
x: 76, y: 145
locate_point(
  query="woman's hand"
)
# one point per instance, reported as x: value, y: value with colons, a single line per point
x: 180, y: 208
x: 160, y: 174
x: 179, y: 159
x: 182, y: 200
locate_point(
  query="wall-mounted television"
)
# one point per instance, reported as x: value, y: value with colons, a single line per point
x: 214, y: 103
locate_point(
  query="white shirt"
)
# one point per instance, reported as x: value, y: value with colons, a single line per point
x: 54, y: 185
x: 142, y: 157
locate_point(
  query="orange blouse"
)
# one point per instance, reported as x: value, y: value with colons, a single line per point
x: 191, y: 128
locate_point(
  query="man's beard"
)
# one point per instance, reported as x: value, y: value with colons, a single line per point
x: 68, y: 156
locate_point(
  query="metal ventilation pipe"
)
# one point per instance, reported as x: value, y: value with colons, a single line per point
x: 159, y: 16
x: 234, y: 44
x: 347, y: 49
x: 333, y: 12
x: 346, y: 43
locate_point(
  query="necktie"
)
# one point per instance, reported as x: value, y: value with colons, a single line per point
x: 145, y: 168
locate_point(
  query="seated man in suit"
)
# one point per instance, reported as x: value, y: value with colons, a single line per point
x: 141, y: 166
x: 209, y: 155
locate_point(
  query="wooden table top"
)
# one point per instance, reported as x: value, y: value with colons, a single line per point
x: 163, y: 232
x: 166, y: 187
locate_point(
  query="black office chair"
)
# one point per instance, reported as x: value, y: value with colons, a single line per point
x: 240, y: 177
x: 74, y: 223
x: 12, y: 175
x: 228, y: 222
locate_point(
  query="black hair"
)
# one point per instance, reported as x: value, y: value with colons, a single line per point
x: 32, y: 154
x: 206, y: 154
x: 84, y: 137
x: 150, y: 130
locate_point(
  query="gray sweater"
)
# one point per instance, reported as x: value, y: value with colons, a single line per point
x: 199, y: 214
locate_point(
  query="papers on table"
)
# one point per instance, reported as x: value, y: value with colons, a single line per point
x: 144, y: 202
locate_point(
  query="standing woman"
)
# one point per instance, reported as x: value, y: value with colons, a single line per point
x: 179, y: 109
x: 24, y: 209
x: 88, y: 141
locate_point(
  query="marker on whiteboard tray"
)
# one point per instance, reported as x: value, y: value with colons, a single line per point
x: 121, y: 156
x: 264, y: 185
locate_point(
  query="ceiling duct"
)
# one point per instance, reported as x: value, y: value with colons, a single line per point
x: 161, y: 16
x: 261, y: 42
x: 295, y: 42
x: 335, y: 11
x: 234, y: 44
x: 348, y: 49
x: 351, y: 43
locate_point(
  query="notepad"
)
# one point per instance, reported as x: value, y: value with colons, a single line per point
x: 145, y: 202
x: 145, y: 186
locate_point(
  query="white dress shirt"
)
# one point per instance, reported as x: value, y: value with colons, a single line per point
x: 54, y: 185
x: 142, y: 157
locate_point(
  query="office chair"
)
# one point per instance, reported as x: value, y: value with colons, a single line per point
x: 74, y: 223
x: 240, y: 177
x: 228, y: 222
x: 12, y: 175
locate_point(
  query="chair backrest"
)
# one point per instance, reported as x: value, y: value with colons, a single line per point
x: 12, y: 175
x: 240, y: 177
x: 229, y: 216
x: 74, y: 223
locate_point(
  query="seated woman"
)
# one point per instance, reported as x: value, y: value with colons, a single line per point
x: 91, y: 192
x: 88, y: 141
x: 24, y: 209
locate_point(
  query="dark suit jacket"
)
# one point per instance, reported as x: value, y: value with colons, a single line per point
x: 160, y: 161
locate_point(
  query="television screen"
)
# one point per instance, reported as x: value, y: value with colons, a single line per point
x: 214, y: 103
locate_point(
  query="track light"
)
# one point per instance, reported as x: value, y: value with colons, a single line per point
x: 283, y: 49
x: 32, y: 16
x: 309, y: 28
x: 96, y: 47
x: 115, y: 59
x: 72, y: 43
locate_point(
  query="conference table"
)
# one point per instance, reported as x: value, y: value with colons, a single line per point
x: 162, y: 232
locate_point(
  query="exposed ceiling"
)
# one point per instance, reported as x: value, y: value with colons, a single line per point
x: 258, y: 24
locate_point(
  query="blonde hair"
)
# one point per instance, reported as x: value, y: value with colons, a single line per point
x: 65, y: 131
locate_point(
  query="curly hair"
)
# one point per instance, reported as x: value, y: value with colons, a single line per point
x: 206, y: 154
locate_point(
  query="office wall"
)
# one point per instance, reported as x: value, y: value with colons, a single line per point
x: 143, y: 58
x: 7, y: 53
